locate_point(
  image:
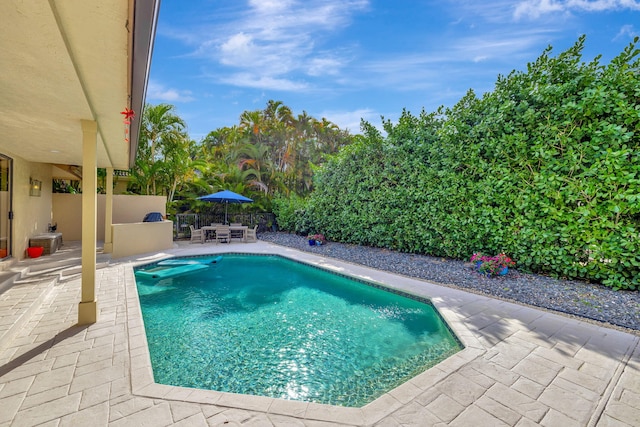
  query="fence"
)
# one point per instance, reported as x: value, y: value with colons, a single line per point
x: 265, y: 221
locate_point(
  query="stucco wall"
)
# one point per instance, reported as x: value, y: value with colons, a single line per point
x: 31, y: 214
x: 67, y: 212
x: 128, y: 209
x: 141, y: 237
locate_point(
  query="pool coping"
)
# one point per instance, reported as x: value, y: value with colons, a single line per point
x: 144, y: 385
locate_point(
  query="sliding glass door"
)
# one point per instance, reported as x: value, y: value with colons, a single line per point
x: 5, y: 207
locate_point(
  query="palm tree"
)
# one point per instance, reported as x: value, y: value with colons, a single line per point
x: 161, y: 129
x: 255, y: 160
x: 252, y: 122
x: 158, y: 122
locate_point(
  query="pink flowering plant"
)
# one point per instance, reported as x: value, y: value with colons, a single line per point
x: 317, y: 237
x: 492, y: 265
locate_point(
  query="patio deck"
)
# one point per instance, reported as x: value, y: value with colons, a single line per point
x: 521, y: 366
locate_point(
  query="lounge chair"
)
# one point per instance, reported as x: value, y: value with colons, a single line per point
x: 196, y: 235
x: 251, y: 234
x: 223, y: 234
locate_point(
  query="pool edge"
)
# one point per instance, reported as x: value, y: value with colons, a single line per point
x: 143, y: 383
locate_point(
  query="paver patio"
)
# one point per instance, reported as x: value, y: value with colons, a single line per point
x: 521, y: 366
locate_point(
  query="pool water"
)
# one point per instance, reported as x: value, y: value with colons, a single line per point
x: 269, y: 326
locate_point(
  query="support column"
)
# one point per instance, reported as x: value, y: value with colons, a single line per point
x: 88, y: 307
x: 108, y: 213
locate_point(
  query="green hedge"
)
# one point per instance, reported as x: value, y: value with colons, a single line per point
x: 545, y: 168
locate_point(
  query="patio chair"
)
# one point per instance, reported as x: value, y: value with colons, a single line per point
x: 223, y: 234
x: 236, y: 224
x: 196, y: 235
x: 251, y: 234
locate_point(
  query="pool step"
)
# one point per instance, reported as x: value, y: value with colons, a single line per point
x: 165, y: 271
x: 180, y: 261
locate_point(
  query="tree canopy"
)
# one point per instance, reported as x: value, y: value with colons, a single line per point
x: 269, y: 152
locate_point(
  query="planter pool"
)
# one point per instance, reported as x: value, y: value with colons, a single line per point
x: 270, y: 326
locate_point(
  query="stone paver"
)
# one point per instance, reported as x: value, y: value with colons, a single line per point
x: 474, y: 416
x: 521, y: 366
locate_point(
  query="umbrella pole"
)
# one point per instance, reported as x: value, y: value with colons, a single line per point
x: 226, y: 221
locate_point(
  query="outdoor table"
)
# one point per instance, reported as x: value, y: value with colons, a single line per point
x: 239, y: 230
x: 209, y: 232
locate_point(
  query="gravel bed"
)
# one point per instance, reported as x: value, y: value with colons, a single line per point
x: 585, y: 300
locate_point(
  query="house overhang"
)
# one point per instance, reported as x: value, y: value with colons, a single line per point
x: 63, y: 61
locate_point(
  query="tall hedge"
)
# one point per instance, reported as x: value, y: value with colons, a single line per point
x: 546, y: 168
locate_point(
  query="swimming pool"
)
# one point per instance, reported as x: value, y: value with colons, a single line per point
x: 266, y: 325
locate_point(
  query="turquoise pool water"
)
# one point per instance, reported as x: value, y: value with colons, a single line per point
x: 269, y: 326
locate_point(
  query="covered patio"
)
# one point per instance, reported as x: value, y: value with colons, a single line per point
x: 73, y: 71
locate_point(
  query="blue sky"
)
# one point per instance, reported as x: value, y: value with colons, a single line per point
x: 351, y: 59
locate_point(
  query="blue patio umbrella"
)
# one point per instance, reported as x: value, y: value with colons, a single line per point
x: 226, y: 197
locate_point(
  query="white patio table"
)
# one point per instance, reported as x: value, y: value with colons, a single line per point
x: 239, y: 230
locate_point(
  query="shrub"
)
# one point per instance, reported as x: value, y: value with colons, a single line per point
x: 546, y: 168
x: 287, y: 210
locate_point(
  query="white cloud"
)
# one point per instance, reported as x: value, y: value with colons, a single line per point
x: 237, y: 49
x: 270, y: 6
x: 273, y: 39
x: 453, y: 59
x: 497, y: 45
x: 535, y: 8
x: 626, y: 32
x: 157, y: 91
x: 263, y: 82
x: 473, y: 11
x: 602, y: 5
x: 323, y: 66
x: 350, y: 120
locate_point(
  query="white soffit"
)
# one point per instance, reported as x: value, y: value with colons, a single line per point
x: 60, y: 62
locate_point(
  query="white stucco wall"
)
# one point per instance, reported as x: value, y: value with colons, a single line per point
x: 141, y: 237
x: 31, y: 215
x: 127, y: 209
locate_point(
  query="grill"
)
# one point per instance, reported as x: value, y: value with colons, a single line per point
x: 153, y: 217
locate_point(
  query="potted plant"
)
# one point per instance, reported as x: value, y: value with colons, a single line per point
x: 316, y: 239
x: 497, y: 265
x: 35, y: 251
x: 320, y: 240
x: 311, y: 239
